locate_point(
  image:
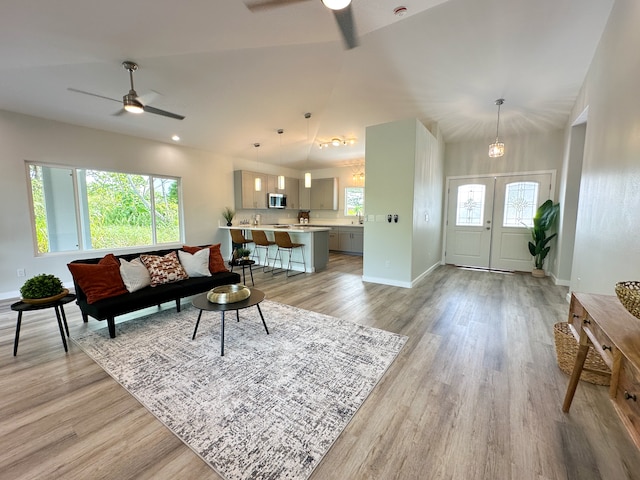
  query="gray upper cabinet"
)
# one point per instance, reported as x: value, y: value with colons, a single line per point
x: 246, y: 197
x: 244, y: 190
x: 324, y: 194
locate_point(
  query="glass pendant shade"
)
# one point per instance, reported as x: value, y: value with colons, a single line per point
x: 307, y: 180
x: 258, y: 184
x: 496, y: 149
x: 280, y: 182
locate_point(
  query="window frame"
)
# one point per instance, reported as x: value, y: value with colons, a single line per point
x: 81, y: 206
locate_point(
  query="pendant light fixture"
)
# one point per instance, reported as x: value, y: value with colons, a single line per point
x: 257, y: 182
x: 280, y: 177
x: 497, y: 149
x: 307, y: 175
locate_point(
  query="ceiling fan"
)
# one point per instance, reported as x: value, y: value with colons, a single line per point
x: 131, y: 102
x: 341, y: 11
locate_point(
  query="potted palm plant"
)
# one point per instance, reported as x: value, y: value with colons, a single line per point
x: 539, y: 247
x: 228, y: 215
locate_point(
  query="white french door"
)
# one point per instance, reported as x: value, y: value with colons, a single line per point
x: 488, y: 219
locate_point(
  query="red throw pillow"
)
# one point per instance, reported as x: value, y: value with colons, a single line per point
x: 99, y: 281
x: 216, y: 263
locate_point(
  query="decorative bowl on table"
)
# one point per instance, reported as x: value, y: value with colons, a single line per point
x: 228, y: 293
x: 629, y: 295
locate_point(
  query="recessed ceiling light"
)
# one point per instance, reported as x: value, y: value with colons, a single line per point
x: 400, y: 11
x: 175, y: 138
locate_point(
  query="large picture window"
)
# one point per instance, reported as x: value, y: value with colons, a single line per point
x: 83, y: 209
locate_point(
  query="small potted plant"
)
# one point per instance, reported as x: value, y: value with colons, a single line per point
x: 243, y: 253
x: 543, y: 220
x: 228, y: 215
x: 42, y: 288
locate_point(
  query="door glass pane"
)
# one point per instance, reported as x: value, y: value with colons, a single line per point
x: 520, y: 203
x: 470, y: 209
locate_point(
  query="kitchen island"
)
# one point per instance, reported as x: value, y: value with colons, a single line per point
x: 315, y: 240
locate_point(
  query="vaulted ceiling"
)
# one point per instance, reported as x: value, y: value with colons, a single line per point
x: 238, y: 76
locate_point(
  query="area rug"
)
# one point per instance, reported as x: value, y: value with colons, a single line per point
x: 272, y: 406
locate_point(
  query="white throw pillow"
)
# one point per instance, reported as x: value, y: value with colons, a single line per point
x: 196, y: 265
x: 134, y: 274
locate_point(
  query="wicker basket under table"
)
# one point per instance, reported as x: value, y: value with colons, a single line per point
x: 595, y: 370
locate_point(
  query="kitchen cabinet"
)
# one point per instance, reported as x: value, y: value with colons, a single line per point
x: 324, y: 194
x: 351, y: 240
x: 245, y: 193
x: 334, y: 240
x: 291, y: 190
x: 346, y: 239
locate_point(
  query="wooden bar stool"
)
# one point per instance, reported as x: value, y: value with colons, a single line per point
x: 237, y: 240
x: 262, y: 242
x: 283, y: 240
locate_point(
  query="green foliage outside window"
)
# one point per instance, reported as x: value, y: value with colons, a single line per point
x: 119, y: 209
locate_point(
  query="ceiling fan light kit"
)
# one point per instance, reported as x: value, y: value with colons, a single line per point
x: 496, y: 149
x: 336, y: 4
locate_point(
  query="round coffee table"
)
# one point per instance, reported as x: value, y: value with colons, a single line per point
x: 201, y: 302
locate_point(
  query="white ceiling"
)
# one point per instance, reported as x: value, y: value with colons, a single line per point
x: 239, y: 76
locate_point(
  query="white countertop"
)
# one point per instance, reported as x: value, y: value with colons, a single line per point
x: 284, y: 228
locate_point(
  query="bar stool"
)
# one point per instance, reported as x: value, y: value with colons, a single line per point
x: 262, y: 242
x: 283, y: 240
x: 238, y: 240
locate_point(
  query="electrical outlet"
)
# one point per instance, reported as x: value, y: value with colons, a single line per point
x: 21, y: 272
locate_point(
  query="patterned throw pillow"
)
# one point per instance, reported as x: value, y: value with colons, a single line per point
x: 165, y: 269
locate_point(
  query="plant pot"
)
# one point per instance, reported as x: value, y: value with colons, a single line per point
x: 229, y: 224
x: 538, y: 273
x: 38, y: 301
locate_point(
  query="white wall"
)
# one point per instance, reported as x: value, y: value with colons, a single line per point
x: 537, y: 151
x: 404, y: 177
x: 207, y: 185
x: 607, y: 246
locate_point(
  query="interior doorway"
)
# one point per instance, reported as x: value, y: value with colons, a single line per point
x: 488, y: 219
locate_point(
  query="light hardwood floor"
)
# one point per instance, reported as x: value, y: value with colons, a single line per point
x: 474, y: 394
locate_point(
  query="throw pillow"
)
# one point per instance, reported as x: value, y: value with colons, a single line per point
x: 216, y: 263
x: 134, y: 274
x: 99, y: 281
x: 195, y: 264
x: 165, y: 269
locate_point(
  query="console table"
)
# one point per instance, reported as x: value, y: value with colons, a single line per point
x: 602, y: 321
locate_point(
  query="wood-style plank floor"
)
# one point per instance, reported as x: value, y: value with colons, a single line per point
x: 475, y: 393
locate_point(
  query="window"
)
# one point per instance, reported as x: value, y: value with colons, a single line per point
x: 520, y: 202
x: 353, y: 201
x: 470, y: 209
x: 82, y: 209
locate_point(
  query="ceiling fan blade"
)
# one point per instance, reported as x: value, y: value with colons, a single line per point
x: 75, y: 90
x: 254, y: 6
x: 347, y: 26
x: 164, y: 113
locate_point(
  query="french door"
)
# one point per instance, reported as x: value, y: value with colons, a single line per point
x: 488, y: 219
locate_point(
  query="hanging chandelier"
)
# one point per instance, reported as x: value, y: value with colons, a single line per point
x: 496, y: 149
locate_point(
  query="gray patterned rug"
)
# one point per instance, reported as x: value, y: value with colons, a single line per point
x: 272, y: 406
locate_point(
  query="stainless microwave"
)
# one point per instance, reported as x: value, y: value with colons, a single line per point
x: 276, y: 200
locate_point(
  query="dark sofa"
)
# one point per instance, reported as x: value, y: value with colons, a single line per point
x: 108, y: 308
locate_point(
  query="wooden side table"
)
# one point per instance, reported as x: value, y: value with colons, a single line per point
x: 57, y: 305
